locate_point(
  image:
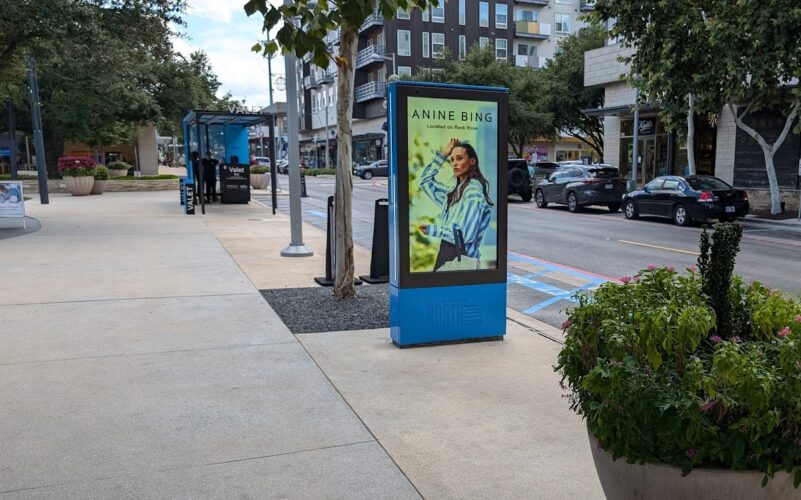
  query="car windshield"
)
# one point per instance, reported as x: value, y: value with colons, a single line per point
x: 707, y: 183
x: 604, y: 173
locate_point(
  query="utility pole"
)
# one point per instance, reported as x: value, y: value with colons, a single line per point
x: 326, y: 133
x: 273, y: 166
x: 38, y: 138
x: 296, y: 247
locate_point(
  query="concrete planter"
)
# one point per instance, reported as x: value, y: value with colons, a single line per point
x: 624, y: 481
x: 117, y: 173
x: 98, y: 187
x: 79, y: 186
x: 257, y: 180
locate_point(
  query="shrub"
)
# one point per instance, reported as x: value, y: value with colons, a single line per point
x: 319, y: 171
x: 101, y: 173
x: 119, y: 165
x: 716, y: 264
x: 259, y: 170
x: 659, y: 380
x: 145, y: 177
x: 76, y: 166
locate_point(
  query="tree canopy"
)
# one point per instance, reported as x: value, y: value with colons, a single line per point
x: 726, y: 53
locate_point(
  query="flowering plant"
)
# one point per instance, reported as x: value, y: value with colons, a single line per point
x: 658, y: 381
x: 76, y: 166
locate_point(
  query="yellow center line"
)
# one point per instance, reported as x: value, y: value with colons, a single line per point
x: 658, y: 247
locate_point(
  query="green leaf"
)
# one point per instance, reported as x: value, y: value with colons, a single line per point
x: 738, y: 450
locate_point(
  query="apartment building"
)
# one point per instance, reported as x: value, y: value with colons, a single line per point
x: 721, y: 148
x: 524, y: 32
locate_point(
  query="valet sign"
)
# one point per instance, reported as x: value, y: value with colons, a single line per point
x: 447, y: 212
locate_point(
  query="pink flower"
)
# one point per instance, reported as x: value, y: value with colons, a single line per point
x: 692, y: 269
x: 670, y: 269
x: 566, y: 324
x: 708, y: 406
x: 736, y: 339
x: 716, y: 339
x: 636, y: 279
x: 625, y: 279
x: 785, y: 331
x: 798, y: 319
x: 652, y: 267
x: 691, y: 453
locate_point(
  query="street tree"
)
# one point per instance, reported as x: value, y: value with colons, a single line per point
x: 306, y: 24
x: 564, y: 92
x: 743, y: 56
x: 528, y: 117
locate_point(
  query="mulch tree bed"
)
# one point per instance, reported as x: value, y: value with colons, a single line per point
x: 313, y: 310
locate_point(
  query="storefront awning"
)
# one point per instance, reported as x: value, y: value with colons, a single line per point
x: 625, y: 110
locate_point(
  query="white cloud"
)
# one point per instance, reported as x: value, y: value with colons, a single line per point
x: 218, y: 10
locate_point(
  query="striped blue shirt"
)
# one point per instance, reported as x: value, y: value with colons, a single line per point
x: 471, y: 213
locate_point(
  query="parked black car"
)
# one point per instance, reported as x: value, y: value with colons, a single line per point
x: 544, y: 169
x: 518, y: 178
x: 580, y: 185
x: 685, y: 199
x: 376, y: 169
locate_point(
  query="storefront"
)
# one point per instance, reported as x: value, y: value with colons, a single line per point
x: 368, y: 148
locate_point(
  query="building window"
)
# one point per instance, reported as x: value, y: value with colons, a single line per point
x: 500, y: 48
x: 437, y: 45
x: 564, y: 2
x: 462, y: 47
x: 404, y: 43
x: 524, y: 49
x: 404, y: 71
x: 483, y: 14
x: 403, y: 14
x: 438, y: 14
x: 483, y: 41
x: 530, y: 16
x: 462, y: 13
x: 426, y: 42
x: 562, y: 23
x: 501, y: 17
x: 426, y: 13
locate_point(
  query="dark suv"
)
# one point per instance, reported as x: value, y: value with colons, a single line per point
x: 580, y: 185
x: 518, y: 178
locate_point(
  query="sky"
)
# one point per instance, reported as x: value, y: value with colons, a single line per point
x: 223, y: 30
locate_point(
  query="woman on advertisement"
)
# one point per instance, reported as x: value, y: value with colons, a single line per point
x: 465, y: 209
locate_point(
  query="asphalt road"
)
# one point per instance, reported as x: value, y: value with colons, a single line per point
x: 553, y: 253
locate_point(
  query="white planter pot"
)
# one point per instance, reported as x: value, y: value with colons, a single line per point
x: 257, y: 180
x: 624, y: 481
x: 79, y: 186
x: 116, y: 173
x: 98, y: 187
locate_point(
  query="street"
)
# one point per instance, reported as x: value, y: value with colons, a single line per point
x: 553, y: 253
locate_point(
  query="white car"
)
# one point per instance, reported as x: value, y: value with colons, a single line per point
x: 281, y: 166
x: 262, y: 161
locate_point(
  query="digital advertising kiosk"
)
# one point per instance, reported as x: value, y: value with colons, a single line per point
x: 447, y: 211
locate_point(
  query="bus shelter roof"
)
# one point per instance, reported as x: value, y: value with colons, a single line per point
x: 197, y: 117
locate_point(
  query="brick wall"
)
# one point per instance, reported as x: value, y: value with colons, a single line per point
x: 612, y: 140
x: 726, y: 146
x: 619, y: 94
x: 601, y: 66
x: 760, y: 199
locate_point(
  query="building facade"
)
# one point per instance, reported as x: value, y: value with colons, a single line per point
x: 721, y: 148
x: 524, y: 32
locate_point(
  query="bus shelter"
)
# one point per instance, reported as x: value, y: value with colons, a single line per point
x: 222, y: 133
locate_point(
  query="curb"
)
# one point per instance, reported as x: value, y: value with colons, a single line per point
x: 540, y: 328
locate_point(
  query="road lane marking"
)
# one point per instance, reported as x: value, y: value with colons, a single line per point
x: 668, y: 249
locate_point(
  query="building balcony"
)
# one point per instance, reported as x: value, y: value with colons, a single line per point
x: 370, y: 55
x: 330, y: 75
x: 311, y: 82
x: 533, y: 2
x: 376, y: 20
x: 587, y: 6
x: 529, y: 29
x: 530, y: 61
x: 370, y: 91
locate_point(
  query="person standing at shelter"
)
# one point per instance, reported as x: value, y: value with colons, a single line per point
x: 210, y: 174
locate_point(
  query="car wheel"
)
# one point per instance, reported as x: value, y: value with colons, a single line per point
x: 539, y: 199
x: 630, y: 210
x: 680, y: 216
x: 614, y: 207
x: 526, y: 195
x: 517, y: 178
x: 367, y: 175
x: 572, y: 202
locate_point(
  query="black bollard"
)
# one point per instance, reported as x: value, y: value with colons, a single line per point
x: 303, y: 186
x: 379, y: 259
x: 328, y: 279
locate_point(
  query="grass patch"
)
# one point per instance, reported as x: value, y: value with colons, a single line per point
x: 7, y: 177
x: 145, y: 177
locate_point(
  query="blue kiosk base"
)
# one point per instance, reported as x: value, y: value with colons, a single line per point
x: 450, y: 314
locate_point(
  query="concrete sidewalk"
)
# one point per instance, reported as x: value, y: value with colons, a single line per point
x: 140, y: 361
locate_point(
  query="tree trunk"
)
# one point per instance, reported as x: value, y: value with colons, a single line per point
x: 768, y: 150
x: 691, y: 134
x: 343, y: 218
